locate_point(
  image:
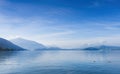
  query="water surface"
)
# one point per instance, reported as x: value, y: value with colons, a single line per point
x: 60, y: 62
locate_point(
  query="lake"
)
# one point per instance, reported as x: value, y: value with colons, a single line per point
x: 60, y: 62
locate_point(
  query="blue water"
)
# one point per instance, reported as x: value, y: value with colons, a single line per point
x: 60, y: 62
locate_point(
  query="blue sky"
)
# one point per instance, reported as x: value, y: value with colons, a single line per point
x: 63, y: 23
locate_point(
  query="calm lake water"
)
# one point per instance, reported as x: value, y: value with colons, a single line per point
x: 60, y: 62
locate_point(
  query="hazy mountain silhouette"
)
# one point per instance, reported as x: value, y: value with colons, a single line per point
x: 6, y: 45
x: 28, y: 44
x: 103, y: 47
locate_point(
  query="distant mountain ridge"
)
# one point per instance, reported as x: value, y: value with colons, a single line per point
x: 23, y: 44
x: 102, y: 47
x: 6, y: 45
x: 28, y: 44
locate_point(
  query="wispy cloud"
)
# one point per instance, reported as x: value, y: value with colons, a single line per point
x: 57, y: 34
x: 95, y: 4
x: 60, y: 25
x: 31, y: 26
x: 47, y: 32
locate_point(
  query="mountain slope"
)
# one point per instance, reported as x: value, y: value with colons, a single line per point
x: 28, y: 44
x: 6, y: 45
x: 102, y: 47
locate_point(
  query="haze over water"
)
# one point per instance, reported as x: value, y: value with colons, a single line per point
x: 60, y: 62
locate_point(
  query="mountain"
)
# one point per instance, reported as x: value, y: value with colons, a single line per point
x: 103, y: 47
x: 50, y: 48
x: 91, y: 48
x: 28, y: 44
x: 6, y: 45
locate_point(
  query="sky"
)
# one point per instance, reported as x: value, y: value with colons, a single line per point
x: 62, y: 23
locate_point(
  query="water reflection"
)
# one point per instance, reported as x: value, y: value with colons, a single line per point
x: 60, y: 62
x: 5, y: 55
